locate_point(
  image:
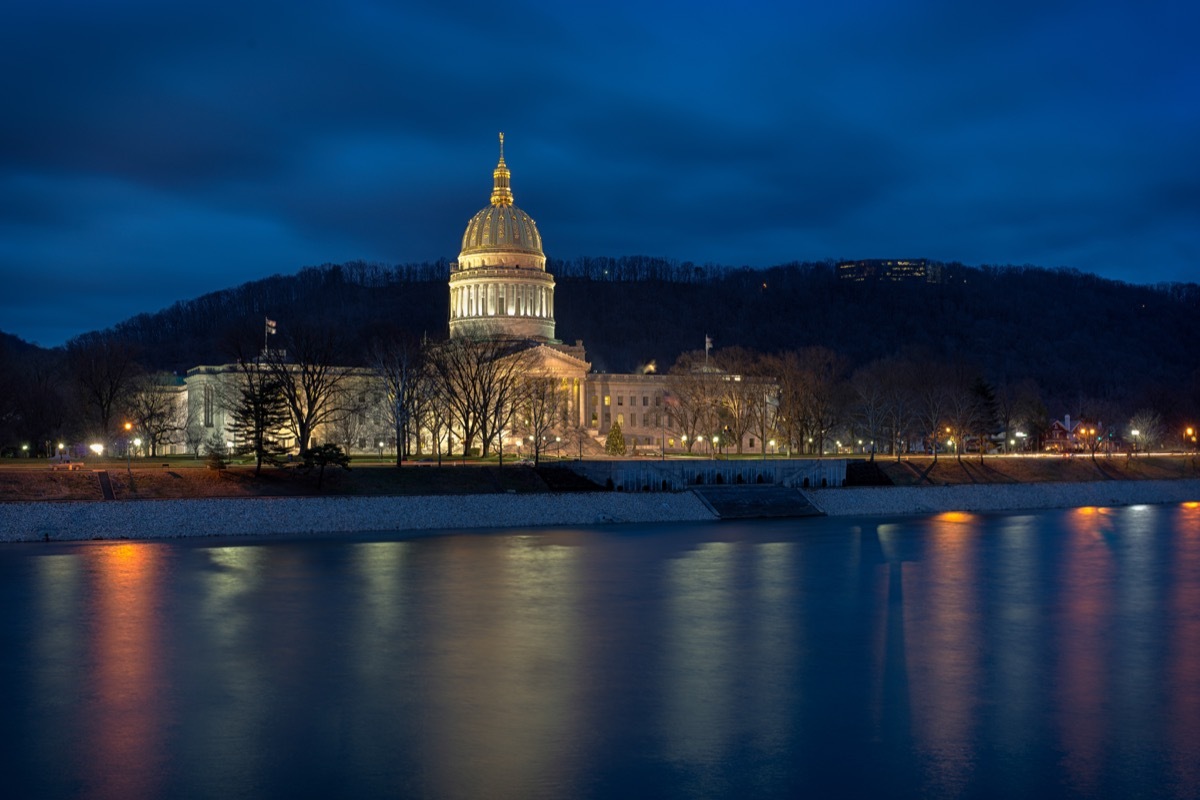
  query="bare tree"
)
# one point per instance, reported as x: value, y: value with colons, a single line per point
x: 540, y: 411
x: 870, y: 405
x: 155, y: 409
x: 1149, y: 429
x: 933, y: 401
x: 740, y: 391
x: 694, y: 397
x: 900, y: 386
x: 816, y: 392
x: 398, y: 361
x: 310, y: 378
x: 103, y: 368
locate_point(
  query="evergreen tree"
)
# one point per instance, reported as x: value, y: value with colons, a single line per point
x: 258, y: 413
x: 614, y: 445
x: 325, y: 455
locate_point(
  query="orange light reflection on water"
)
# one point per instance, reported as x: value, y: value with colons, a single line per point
x: 943, y: 651
x: 1183, y: 663
x: 1087, y: 607
x: 126, y: 717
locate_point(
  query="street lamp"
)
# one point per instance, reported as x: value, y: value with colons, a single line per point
x: 1135, y: 433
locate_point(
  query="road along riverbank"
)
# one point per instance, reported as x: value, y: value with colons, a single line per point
x: 866, y: 501
x: 293, y: 516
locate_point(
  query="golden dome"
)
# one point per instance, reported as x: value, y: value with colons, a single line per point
x: 501, y: 227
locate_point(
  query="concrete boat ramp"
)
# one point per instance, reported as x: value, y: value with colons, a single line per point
x: 756, y: 502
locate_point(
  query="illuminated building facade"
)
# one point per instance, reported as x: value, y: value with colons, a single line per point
x: 880, y: 270
x: 499, y: 286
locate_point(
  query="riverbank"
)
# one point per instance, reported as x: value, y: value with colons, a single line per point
x: 995, y: 497
x: 300, y: 516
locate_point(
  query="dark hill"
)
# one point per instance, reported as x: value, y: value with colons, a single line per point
x: 1074, y: 333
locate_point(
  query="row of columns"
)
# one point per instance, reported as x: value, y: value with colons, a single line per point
x: 501, y: 299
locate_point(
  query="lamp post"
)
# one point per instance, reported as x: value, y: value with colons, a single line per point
x: 128, y: 465
x: 1135, y: 433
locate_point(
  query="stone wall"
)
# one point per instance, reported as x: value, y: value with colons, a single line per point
x: 673, y: 475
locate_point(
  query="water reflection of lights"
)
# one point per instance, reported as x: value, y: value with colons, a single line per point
x: 509, y: 613
x: 127, y: 713
x: 699, y: 650
x: 942, y: 647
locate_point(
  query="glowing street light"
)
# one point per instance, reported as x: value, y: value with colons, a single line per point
x: 1135, y: 433
x: 98, y: 449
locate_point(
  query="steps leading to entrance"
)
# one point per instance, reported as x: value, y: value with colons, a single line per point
x: 756, y: 502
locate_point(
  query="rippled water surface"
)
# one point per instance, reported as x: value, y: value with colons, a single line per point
x: 1046, y: 655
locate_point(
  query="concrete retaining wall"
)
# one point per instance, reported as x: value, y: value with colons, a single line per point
x: 1000, y: 497
x: 155, y: 519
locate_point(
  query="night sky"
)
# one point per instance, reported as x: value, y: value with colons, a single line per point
x: 154, y: 151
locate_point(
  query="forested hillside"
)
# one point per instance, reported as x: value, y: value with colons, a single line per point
x: 1074, y: 335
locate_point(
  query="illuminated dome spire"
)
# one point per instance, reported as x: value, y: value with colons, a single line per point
x: 499, y: 287
x: 501, y: 192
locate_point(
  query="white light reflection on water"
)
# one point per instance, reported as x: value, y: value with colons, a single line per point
x: 505, y: 678
x: 700, y: 651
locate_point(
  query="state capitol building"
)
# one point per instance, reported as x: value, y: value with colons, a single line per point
x: 500, y: 291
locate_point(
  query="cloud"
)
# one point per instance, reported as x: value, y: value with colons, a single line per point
x: 227, y: 139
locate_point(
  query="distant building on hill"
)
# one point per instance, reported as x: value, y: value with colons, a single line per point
x: 886, y: 270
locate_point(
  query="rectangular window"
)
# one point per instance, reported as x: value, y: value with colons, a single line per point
x: 620, y: 418
x: 607, y: 400
x: 657, y: 400
x: 645, y: 401
x: 208, y: 405
x: 620, y: 400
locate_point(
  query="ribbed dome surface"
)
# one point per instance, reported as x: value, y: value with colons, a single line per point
x: 502, y: 229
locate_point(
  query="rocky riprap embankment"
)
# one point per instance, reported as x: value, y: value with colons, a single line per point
x: 160, y: 519
x: 1000, y: 497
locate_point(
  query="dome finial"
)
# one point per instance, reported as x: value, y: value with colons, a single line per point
x: 501, y: 192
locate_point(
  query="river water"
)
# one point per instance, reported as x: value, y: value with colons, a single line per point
x: 1053, y: 654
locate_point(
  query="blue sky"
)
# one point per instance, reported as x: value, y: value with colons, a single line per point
x: 156, y: 151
